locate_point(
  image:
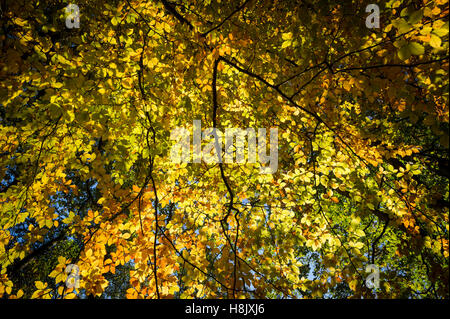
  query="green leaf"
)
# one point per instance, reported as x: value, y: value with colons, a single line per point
x: 55, y: 110
x: 404, y: 12
x: 415, y: 17
x: 400, y: 43
x: 402, y: 25
x: 416, y: 48
x: 404, y: 53
x: 360, y: 233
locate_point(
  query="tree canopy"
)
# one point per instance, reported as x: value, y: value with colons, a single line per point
x: 91, y: 204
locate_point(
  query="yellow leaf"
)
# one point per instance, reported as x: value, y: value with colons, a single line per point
x: 435, y: 41
x: 40, y: 285
x: 352, y: 284
x: 126, y: 235
x: 287, y: 36
x: 127, y: 83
